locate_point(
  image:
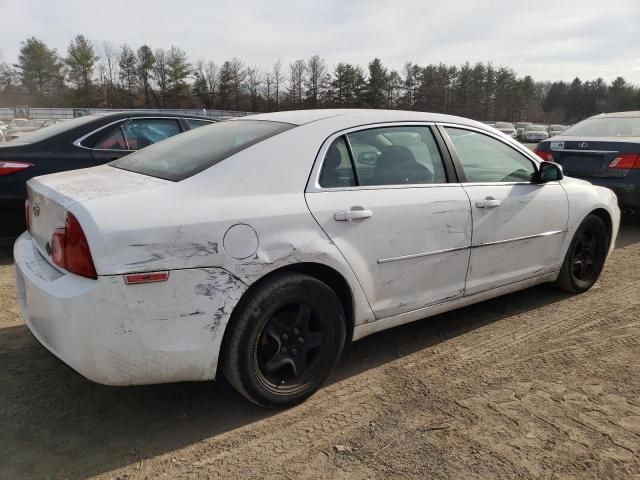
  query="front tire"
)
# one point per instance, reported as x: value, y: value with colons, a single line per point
x: 585, y: 257
x: 285, y: 340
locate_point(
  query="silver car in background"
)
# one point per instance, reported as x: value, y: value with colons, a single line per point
x: 535, y: 133
x: 507, y: 128
x: 556, y: 129
x: 520, y: 127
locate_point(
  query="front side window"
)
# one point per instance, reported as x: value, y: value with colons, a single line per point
x: 143, y: 132
x: 485, y: 159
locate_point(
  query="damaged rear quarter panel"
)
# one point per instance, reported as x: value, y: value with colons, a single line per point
x: 179, y: 323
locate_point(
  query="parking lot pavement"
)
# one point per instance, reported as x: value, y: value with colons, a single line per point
x: 537, y: 384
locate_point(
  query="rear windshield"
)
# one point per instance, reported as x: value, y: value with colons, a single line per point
x: 606, y: 127
x: 186, y: 154
x: 504, y: 125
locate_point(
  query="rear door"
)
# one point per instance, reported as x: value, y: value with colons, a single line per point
x: 518, y: 226
x: 382, y: 196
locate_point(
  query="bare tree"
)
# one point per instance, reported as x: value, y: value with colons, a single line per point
x: 297, y: 73
x: 278, y: 79
x: 211, y: 77
x: 268, y: 89
x: 238, y: 74
x: 316, y: 79
x: 110, y: 56
x: 161, y: 74
x: 254, y: 79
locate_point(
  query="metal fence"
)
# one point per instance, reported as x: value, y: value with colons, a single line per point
x: 64, y: 113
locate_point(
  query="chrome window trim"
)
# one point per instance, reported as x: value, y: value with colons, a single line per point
x: 456, y: 249
x: 78, y: 142
x: 313, y: 184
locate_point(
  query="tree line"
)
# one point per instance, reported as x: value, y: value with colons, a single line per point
x: 111, y: 76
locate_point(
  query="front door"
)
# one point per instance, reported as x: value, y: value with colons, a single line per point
x: 518, y: 226
x: 382, y: 197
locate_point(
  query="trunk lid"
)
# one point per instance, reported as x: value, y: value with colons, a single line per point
x: 51, y: 196
x: 591, y: 157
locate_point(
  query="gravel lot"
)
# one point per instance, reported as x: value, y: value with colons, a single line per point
x: 537, y: 384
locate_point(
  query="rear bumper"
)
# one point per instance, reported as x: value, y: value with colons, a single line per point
x: 119, y: 334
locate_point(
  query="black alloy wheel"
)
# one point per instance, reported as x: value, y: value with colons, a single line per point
x: 585, y: 257
x: 285, y: 339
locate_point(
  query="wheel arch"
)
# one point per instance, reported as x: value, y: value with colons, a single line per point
x: 605, y: 216
x: 328, y: 275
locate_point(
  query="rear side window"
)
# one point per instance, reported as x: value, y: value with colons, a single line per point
x: 337, y: 170
x: 112, y: 140
x: 185, y: 155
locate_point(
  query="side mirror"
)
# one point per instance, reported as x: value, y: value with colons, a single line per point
x: 549, y: 172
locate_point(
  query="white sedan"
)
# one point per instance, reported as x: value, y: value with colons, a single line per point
x: 256, y: 247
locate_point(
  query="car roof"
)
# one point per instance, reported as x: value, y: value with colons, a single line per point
x: 147, y: 113
x: 359, y: 117
x: 629, y: 114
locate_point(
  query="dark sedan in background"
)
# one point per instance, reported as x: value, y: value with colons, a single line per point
x: 78, y: 143
x: 605, y: 150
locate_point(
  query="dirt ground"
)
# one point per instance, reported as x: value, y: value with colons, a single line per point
x: 537, y: 384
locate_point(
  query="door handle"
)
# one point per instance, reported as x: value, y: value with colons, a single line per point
x: 355, y: 213
x: 488, y: 202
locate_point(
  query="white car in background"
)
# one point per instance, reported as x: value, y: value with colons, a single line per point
x: 507, y: 128
x: 535, y: 133
x: 256, y: 247
x: 556, y: 129
x: 18, y: 127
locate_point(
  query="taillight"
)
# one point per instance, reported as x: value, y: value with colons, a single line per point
x: 58, y: 244
x: 546, y: 156
x: 626, y: 161
x: 7, y: 168
x: 70, y: 249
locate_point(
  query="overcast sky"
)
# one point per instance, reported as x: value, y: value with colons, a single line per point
x: 550, y: 40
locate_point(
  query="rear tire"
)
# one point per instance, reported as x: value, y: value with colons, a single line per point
x: 585, y: 257
x: 285, y: 340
